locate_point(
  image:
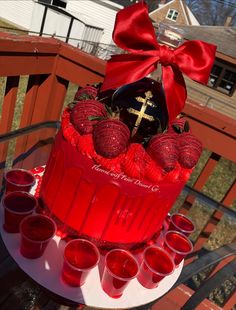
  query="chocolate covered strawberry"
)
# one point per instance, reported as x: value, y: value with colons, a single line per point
x: 87, y: 92
x: 110, y: 137
x: 83, y: 115
x: 190, y: 149
x: 163, y: 149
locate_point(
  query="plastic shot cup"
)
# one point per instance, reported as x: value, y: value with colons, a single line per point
x: 182, y: 223
x: 120, y: 268
x: 80, y: 257
x: 156, y: 265
x: 36, y: 232
x: 178, y: 245
x: 17, y: 205
x: 19, y: 180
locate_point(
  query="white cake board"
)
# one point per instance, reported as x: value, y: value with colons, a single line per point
x: 46, y: 271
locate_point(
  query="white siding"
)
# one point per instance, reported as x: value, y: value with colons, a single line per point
x: 17, y: 12
x: 98, y: 13
x: 62, y: 26
x: 101, y: 15
x: 37, y: 17
x: 77, y: 32
x: 56, y: 24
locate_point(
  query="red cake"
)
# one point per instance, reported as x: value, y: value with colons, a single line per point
x: 120, y: 201
x: 115, y: 170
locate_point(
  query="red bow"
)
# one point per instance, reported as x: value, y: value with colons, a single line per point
x: 134, y: 33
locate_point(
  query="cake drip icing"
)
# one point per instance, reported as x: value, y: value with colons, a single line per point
x: 135, y: 162
x: 68, y: 233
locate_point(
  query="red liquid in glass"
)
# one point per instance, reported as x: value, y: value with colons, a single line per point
x: 156, y: 265
x: 178, y: 245
x: 17, y: 206
x: 119, y: 270
x: 182, y: 224
x: 36, y: 232
x: 79, y: 259
x: 38, y: 228
x: 19, y: 180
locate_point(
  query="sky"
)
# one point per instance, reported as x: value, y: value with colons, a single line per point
x: 213, y: 12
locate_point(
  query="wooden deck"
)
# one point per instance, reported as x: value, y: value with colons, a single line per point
x: 213, y: 99
x: 51, y: 66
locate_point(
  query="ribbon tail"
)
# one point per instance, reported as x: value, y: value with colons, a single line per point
x: 127, y: 68
x: 175, y: 91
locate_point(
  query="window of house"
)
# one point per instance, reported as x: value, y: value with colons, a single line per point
x: 45, y: 1
x: 223, y: 78
x: 59, y: 3
x: 172, y: 14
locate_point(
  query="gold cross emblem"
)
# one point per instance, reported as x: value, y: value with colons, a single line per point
x: 141, y: 114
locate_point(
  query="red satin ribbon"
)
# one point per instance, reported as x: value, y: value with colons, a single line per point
x: 134, y: 33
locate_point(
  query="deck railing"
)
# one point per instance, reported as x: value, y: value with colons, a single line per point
x: 51, y: 66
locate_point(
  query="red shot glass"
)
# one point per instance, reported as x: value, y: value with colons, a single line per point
x: 36, y: 232
x: 80, y: 257
x: 120, y: 268
x: 182, y: 223
x: 156, y: 265
x: 19, y: 180
x: 17, y: 205
x: 178, y: 245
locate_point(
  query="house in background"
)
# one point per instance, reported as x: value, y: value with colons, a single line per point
x: 220, y: 92
x: 71, y: 21
x: 73, y: 28
x: 173, y: 12
x: 103, y: 14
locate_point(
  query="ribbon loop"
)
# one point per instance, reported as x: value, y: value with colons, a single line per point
x: 166, y: 56
x: 134, y: 33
